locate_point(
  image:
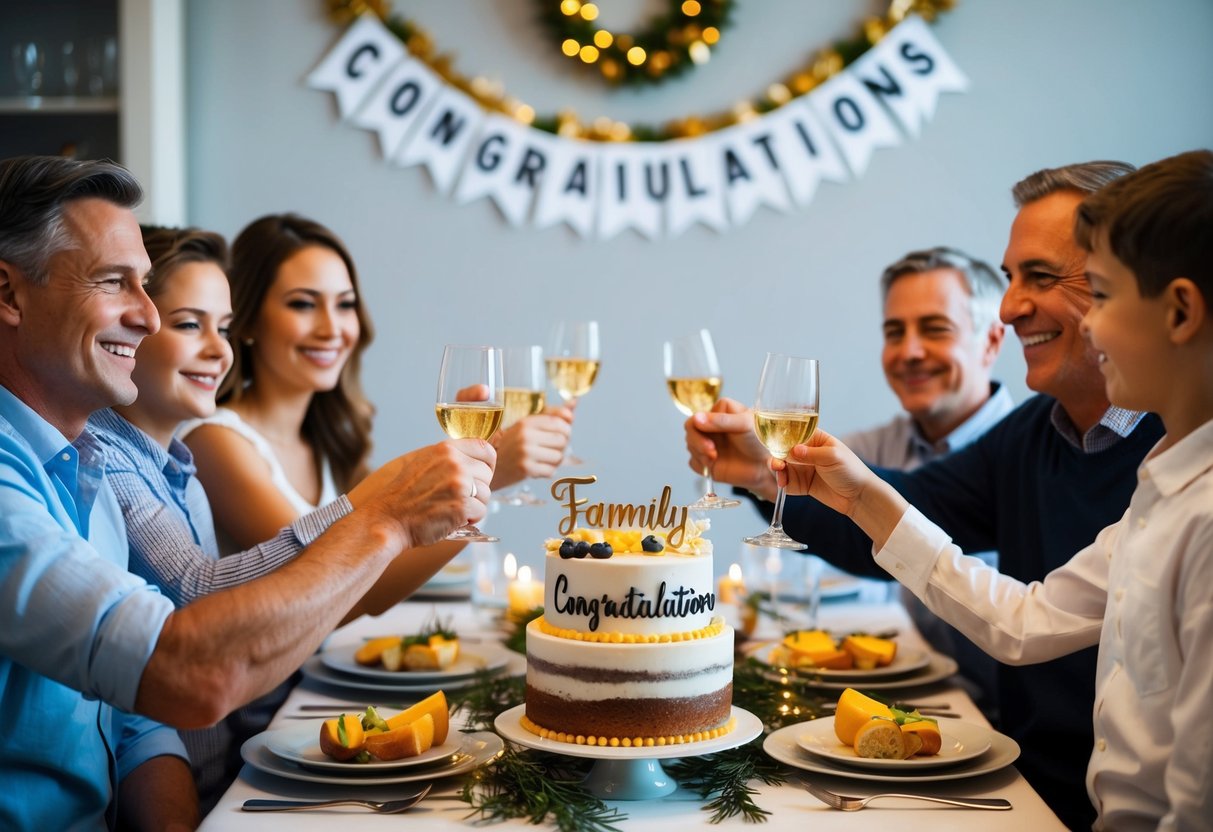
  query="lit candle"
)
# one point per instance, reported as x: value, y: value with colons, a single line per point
x: 524, y: 593
x: 732, y: 587
x: 509, y: 566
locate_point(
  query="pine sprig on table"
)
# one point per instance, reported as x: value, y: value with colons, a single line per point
x: 725, y: 777
x: 777, y: 698
x: 541, y: 788
x: 489, y: 696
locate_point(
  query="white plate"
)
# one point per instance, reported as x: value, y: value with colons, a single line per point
x: 782, y: 745
x: 509, y: 725
x: 313, y: 668
x: 477, y: 749
x: 905, y: 662
x: 938, y: 667
x: 300, y: 744
x: 961, y: 741
x: 487, y: 656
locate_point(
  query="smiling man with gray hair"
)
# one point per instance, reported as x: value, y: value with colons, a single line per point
x: 91, y: 656
x: 1036, y: 487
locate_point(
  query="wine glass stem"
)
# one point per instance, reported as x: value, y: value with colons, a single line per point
x: 710, y: 485
x: 777, y: 516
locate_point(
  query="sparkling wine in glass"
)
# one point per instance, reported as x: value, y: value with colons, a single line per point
x: 785, y: 415
x: 525, y: 395
x: 470, y: 404
x: 572, y: 364
x: 692, y: 375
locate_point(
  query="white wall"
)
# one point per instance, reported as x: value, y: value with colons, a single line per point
x: 1052, y: 83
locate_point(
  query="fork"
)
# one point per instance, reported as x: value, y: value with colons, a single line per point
x: 387, y: 807
x: 854, y: 804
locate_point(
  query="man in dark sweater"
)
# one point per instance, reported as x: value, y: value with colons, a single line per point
x: 1037, y: 487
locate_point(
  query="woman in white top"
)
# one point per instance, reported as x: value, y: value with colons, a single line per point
x: 294, y: 429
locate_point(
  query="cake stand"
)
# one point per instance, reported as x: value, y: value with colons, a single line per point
x: 629, y: 773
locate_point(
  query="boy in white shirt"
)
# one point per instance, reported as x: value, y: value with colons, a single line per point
x: 1144, y: 589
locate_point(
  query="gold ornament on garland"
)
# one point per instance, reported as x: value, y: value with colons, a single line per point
x: 667, y: 46
x: 819, y: 67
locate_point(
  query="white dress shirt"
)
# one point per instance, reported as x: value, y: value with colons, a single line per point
x: 1144, y: 592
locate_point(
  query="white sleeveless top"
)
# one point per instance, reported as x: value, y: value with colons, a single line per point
x: 232, y: 421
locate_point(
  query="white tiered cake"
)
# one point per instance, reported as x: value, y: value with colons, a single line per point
x: 629, y: 649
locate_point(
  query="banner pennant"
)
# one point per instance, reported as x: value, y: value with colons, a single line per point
x: 365, y: 53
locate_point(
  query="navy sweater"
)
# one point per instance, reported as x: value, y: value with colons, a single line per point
x: 1026, y: 492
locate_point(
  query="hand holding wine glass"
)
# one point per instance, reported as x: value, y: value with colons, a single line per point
x: 525, y: 395
x: 470, y: 404
x: 692, y: 374
x: 785, y: 415
x: 573, y: 363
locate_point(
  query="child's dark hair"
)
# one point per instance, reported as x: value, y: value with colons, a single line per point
x: 1158, y: 222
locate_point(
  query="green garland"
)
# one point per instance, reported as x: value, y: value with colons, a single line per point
x: 666, y: 46
x: 821, y: 65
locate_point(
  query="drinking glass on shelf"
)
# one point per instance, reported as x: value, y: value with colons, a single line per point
x: 29, y: 60
x: 469, y: 404
x: 692, y: 375
x: 525, y: 395
x: 785, y: 415
x: 572, y: 364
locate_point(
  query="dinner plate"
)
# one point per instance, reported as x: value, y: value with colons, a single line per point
x: 486, y: 656
x: 476, y: 750
x: 937, y: 668
x: 315, y: 669
x: 961, y: 741
x: 746, y: 727
x: 300, y: 744
x: 783, y: 746
x: 905, y: 662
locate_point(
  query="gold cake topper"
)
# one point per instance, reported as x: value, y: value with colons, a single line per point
x: 660, y: 513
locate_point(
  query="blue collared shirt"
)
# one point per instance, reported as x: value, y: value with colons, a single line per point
x: 76, y: 632
x: 899, y: 444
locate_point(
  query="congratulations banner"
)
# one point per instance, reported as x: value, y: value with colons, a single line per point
x: 601, y: 189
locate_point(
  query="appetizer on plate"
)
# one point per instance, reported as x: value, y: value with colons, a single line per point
x: 877, y: 731
x: 361, y: 737
x: 433, y: 649
x: 817, y: 648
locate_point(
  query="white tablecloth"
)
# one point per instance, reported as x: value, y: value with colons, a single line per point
x: 792, y: 808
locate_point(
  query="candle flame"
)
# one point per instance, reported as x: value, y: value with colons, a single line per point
x: 735, y: 572
x: 510, y: 566
x: 524, y: 574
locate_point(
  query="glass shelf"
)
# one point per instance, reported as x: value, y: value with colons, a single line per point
x: 12, y: 105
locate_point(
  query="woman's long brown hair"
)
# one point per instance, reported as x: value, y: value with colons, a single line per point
x: 338, y: 421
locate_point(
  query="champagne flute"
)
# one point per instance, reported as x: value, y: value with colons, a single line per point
x: 573, y: 364
x: 785, y: 415
x: 524, y: 396
x: 692, y: 375
x: 470, y: 404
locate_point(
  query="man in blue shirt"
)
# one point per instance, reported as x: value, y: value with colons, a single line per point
x: 941, y: 339
x: 84, y: 644
x: 1036, y: 487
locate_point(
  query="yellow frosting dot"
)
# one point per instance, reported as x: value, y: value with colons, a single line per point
x: 614, y: 742
x: 626, y: 742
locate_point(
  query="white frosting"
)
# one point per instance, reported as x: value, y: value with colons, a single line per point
x: 690, y: 668
x: 634, y: 594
